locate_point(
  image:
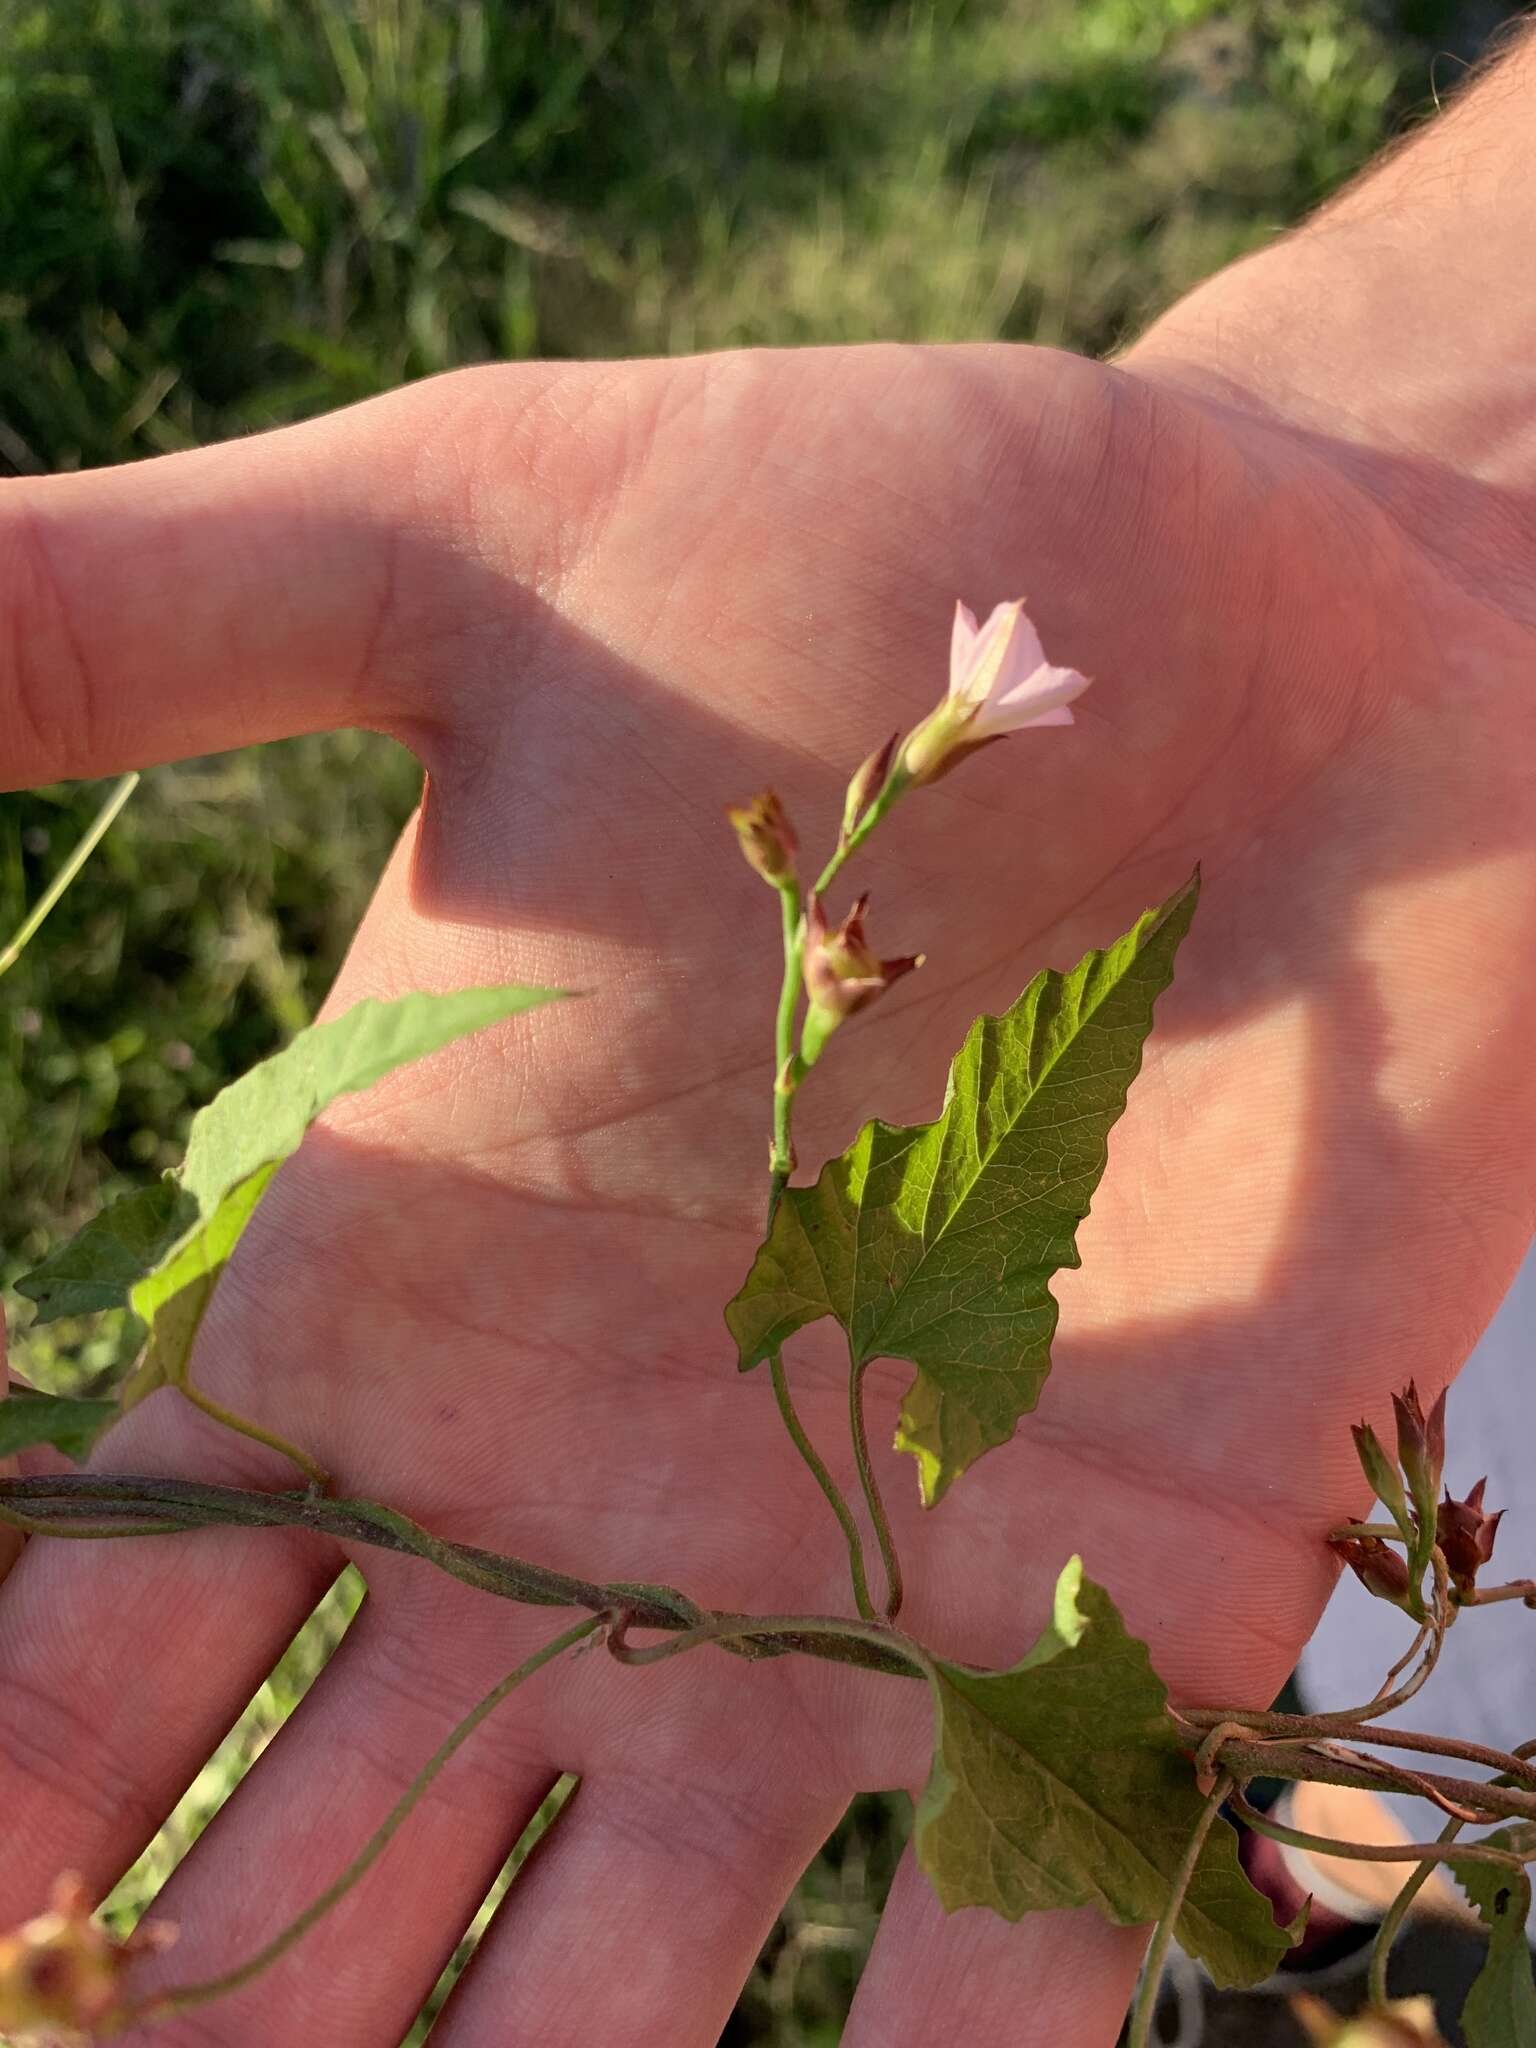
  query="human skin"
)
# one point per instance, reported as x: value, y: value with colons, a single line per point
x: 1290, y: 536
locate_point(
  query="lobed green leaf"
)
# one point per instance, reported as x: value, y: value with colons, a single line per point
x: 1062, y: 1782
x: 937, y: 1243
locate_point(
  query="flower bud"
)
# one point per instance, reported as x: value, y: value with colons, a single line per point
x: 1378, y: 1568
x: 767, y: 838
x: 1466, y: 1533
x: 61, y: 1975
x: 1420, y: 1446
x: 841, y: 973
x: 867, y: 783
x: 999, y: 682
x: 1382, y: 1474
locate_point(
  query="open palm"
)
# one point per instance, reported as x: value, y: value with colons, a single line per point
x: 601, y: 602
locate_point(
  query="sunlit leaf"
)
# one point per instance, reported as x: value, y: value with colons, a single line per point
x: 161, y: 1252
x: 1062, y: 1783
x: 937, y: 1243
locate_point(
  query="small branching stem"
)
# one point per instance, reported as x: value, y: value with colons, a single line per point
x: 870, y: 1486
x: 1489, y: 1596
x: 243, y: 1426
x: 1487, y: 1802
x: 1302, y: 1728
x: 1397, y: 1913
x: 1347, y: 1720
x: 181, y: 1998
x: 781, y: 1158
x: 724, y: 1628
x: 1376, y: 1852
x: 1144, y: 2011
x: 84, y: 847
x: 787, y: 1070
x: 828, y: 1485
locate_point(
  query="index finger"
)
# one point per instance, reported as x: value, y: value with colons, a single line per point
x: 267, y: 587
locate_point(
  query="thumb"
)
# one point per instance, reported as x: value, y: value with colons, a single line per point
x: 269, y: 586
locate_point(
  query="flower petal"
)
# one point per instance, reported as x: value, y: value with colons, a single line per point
x: 961, y: 639
x: 1029, y: 701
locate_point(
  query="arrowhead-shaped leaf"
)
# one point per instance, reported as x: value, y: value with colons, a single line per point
x: 1500, y: 2010
x: 28, y: 1418
x: 1062, y: 1783
x: 937, y: 1243
x: 161, y: 1252
x: 99, y: 1264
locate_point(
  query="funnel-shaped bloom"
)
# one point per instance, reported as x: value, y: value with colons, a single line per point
x: 999, y: 682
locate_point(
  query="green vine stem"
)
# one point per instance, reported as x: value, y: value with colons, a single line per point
x: 1397, y: 1913
x: 788, y: 1070
x: 242, y: 1425
x: 828, y: 1485
x: 181, y: 1998
x: 801, y: 1628
x: 52, y: 1504
x: 84, y: 847
x: 1489, y: 1596
x: 1302, y: 1732
x: 1489, y: 1803
x: 1375, y: 1852
x: 781, y: 1157
x: 782, y: 1154
x: 896, y: 786
x: 781, y: 1164
x: 1144, y: 2011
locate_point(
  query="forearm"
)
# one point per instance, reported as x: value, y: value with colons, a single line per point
x: 1402, y: 318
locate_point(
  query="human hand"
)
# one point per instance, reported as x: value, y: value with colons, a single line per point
x: 601, y: 601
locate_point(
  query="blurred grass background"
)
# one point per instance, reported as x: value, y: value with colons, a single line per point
x: 219, y: 215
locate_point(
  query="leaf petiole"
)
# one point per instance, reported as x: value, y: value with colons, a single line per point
x: 828, y: 1485
x: 871, y: 1490
x: 243, y: 1426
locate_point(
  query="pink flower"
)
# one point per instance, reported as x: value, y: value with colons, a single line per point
x: 999, y: 682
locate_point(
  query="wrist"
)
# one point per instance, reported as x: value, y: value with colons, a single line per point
x: 1400, y: 322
